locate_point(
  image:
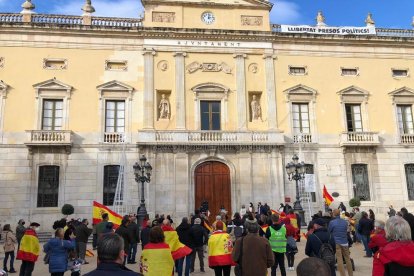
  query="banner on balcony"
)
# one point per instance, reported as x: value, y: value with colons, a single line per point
x: 310, y: 183
x: 305, y: 29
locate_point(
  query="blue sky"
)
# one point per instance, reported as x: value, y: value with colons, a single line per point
x: 386, y: 13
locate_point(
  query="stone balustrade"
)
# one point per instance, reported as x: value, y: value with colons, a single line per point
x: 302, y: 138
x: 407, y: 139
x: 49, y: 137
x: 359, y: 139
x: 117, y: 22
x: 57, y: 19
x: 10, y: 17
x: 114, y: 138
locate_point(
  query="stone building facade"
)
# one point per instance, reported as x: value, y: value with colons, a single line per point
x: 215, y: 96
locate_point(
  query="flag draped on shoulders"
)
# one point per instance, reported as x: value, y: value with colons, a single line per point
x: 29, y: 247
x: 156, y: 260
x: 282, y: 215
x: 220, y: 247
x: 178, y: 250
x: 328, y: 198
x: 99, y: 210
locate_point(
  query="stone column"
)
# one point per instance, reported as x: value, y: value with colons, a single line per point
x: 241, y: 91
x: 180, y: 90
x: 148, y: 89
x: 270, y: 91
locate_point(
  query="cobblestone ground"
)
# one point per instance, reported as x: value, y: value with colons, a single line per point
x: 363, y: 265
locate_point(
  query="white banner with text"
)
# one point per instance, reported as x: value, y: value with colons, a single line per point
x: 325, y: 30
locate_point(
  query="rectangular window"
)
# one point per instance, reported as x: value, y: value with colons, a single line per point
x: 353, y: 117
x: 409, y: 175
x: 115, y: 116
x: 399, y: 73
x: 210, y: 115
x: 300, y: 113
x: 309, y: 170
x: 349, y: 71
x: 52, y: 115
x: 48, y: 186
x: 360, y: 181
x: 111, y: 174
x: 297, y: 70
x: 405, y: 119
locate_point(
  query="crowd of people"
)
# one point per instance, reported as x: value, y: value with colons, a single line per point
x: 252, y: 241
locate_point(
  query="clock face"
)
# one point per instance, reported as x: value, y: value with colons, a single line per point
x: 208, y: 17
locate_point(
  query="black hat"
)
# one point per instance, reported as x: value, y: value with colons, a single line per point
x: 35, y: 224
x: 320, y: 222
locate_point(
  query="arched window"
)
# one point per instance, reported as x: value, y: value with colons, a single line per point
x: 111, y: 173
x: 409, y: 175
x: 48, y: 186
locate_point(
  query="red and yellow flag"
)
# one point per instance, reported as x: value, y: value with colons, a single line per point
x: 89, y: 253
x: 328, y: 198
x: 156, y: 259
x: 220, y: 247
x: 207, y: 226
x: 178, y: 250
x: 29, y: 247
x: 99, y: 209
x: 282, y: 215
x: 264, y: 227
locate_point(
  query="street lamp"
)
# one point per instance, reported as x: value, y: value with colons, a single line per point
x: 296, y: 171
x: 142, y: 172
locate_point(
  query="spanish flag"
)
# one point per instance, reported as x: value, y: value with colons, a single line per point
x: 156, y: 259
x: 328, y: 198
x: 29, y: 247
x: 282, y: 215
x: 178, y: 250
x: 89, y: 253
x: 99, y: 210
x: 220, y: 247
x: 264, y: 227
x: 207, y: 226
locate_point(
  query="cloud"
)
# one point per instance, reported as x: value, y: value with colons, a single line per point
x: 285, y: 12
x: 111, y: 8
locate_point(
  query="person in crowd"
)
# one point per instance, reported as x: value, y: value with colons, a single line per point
x: 377, y: 240
x: 20, y: 229
x: 313, y: 266
x: 338, y: 228
x: 108, y: 230
x: 9, y: 247
x: 178, y: 249
x: 111, y: 256
x: 365, y: 227
x: 276, y: 234
x: 391, y: 211
x: 144, y: 237
x: 57, y: 249
x: 291, y: 247
x: 102, y: 226
x: 170, y: 219
x: 183, y: 231
x: 199, y: 237
x: 155, y: 220
x: 125, y: 234
x: 29, y: 249
x: 397, y: 257
x: 220, y: 248
x: 342, y: 207
x: 235, y: 227
x: 251, y: 207
x: 74, y: 264
x: 357, y: 216
x: 409, y: 218
x: 243, y: 210
x: 133, y: 231
x: 94, y: 237
x: 318, y: 237
x: 371, y: 215
x: 82, y: 234
x: 156, y: 258
x: 252, y: 253
x: 219, y: 218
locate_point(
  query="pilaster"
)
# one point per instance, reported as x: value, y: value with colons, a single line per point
x: 148, y: 89
x: 270, y: 91
x: 180, y: 90
x: 241, y: 91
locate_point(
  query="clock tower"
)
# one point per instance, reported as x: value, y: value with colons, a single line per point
x: 208, y: 14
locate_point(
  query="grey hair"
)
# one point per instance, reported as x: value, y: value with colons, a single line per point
x: 397, y: 229
x: 379, y: 224
x: 252, y: 227
x: 109, y: 247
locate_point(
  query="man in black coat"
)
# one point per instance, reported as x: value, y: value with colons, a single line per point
x: 320, y: 235
x: 134, y: 234
x: 199, y: 237
x: 124, y: 233
x: 365, y: 228
x: 410, y: 219
x: 82, y: 233
x: 183, y: 231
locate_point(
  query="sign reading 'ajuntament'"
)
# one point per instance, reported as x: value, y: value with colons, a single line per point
x: 328, y: 30
x: 207, y: 43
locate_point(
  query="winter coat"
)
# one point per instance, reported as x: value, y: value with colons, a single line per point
x: 198, y: 235
x: 20, y: 229
x: 183, y: 231
x: 339, y: 230
x: 9, y: 241
x: 58, y: 254
x: 145, y: 236
x: 313, y: 244
x: 377, y: 241
x: 396, y: 258
x: 82, y: 233
x: 133, y: 232
x: 111, y: 269
x: 124, y: 233
x: 410, y: 219
x: 256, y: 257
x: 365, y: 226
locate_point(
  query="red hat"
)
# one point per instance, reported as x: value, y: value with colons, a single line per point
x: 219, y: 225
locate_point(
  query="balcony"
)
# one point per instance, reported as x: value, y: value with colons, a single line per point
x: 407, y: 139
x: 302, y: 138
x: 49, y: 138
x: 114, y: 138
x: 359, y: 139
x: 210, y: 138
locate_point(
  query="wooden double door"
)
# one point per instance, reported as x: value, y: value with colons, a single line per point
x: 212, y: 184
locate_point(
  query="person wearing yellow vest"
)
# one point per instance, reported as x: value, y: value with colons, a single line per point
x: 156, y: 258
x: 29, y: 249
x: 220, y: 248
x: 276, y: 234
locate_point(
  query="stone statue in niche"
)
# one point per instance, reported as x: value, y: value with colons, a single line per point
x: 164, y: 108
x: 256, y: 109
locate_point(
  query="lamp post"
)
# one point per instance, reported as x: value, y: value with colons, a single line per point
x: 142, y: 172
x: 296, y: 171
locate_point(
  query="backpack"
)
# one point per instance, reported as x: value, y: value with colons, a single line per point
x: 326, y: 252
